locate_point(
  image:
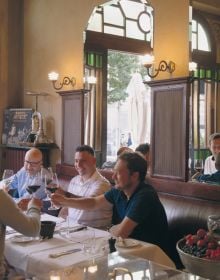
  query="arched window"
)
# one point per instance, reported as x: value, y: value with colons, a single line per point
x: 203, y: 47
x: 125, y: 18
x: 117, y: 32
x: 200, y: 39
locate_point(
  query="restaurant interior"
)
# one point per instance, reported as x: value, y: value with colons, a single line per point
x: 43, y: 36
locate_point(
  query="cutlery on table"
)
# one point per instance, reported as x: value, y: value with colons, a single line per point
x: 63, y: 253
x: 74, y: 229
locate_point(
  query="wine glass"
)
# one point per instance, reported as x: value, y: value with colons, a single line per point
x: 33, y: 184
x: 198, y: 165
x: 46, y: 177
x: 52, y: 185
x: 7, y: 176
x: 213, y: 224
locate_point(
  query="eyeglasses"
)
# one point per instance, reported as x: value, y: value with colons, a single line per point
x: 32, y: 163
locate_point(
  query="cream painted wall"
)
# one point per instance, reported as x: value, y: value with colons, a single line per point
x: 53, y: 40
x: 171, y: 33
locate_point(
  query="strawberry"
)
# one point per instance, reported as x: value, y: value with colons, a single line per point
x: 201, y: 233
x: 201, y: 243
x: 211, y: 245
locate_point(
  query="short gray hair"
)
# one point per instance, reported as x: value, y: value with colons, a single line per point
x: 213, y: 137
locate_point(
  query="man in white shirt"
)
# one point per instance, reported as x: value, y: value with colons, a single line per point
x: 214, y: 146
x: 88, y: 183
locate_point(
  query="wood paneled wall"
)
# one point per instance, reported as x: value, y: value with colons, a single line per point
x: 72, y: 123
x: 169, y: 134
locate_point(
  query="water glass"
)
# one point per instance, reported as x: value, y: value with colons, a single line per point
x: 88, y: 241
x: 7, y: 173
x: 51, y: 186
x: 213, y: 224
x: 46, y: 178
x: 198, y: 165
x: 65, y: 231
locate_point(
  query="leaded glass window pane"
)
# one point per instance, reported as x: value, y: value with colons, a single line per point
x: 194, y: 26
x: 96, y: 23
x: 113, y: 30
x: 200, y: 39
x: 132, y: 30
x: 203, y: 43
x: 145, y: 22
x: 113, y: 15
x: 132, y: 9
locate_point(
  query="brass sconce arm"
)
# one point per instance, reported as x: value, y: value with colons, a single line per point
x: 163, y: 66
x: 53, y: 77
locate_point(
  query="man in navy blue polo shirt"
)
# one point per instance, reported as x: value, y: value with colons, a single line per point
x: 137, y: 210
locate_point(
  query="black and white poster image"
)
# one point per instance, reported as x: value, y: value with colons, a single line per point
x: 16, y: 126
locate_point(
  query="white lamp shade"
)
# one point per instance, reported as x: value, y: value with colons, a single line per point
x: 148, y: 60
x: 53, y: 76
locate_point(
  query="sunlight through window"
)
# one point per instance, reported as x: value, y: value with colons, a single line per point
x: 200, y: 40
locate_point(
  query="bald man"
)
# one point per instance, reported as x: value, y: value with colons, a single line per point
x: 32, y: 166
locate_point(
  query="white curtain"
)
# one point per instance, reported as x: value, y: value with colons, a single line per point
x: 139, y: 110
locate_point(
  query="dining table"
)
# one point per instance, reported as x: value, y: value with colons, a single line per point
x: 118, y: 266
x: 37, y: 256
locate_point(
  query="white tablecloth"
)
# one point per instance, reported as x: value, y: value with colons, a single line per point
x: 33, y: 257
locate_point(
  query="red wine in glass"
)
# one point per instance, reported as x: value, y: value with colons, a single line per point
x: 52, y: 188
x: 32, y: 188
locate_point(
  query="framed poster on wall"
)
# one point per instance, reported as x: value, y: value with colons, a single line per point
x: 16, y: 125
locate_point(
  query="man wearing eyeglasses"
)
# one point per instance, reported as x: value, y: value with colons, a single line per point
x: 32, y: 166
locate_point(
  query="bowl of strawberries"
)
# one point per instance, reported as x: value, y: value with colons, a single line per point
x: 200, y: 254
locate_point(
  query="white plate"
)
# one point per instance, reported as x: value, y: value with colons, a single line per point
x: 127, y: 243
x: 21, y: 239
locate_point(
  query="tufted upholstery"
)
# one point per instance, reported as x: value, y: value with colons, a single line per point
x: 185, y: 214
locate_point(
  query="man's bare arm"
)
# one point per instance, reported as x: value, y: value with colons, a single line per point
x: 71, y: 195
x: 124, y: 229
x: 67, y: 194
x: 90, y: 203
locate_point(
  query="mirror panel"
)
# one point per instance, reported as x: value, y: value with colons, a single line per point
x: 204, y: 98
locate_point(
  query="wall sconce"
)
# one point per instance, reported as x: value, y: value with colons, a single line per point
x: 192, y: 66
x: 91, y: 80
x: 53, y: 77
x: 148, y: 61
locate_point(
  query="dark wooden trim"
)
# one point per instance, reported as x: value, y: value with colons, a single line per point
x: 100, y: 41
x: 188, y: 189
x: 167, y: 82
x: 104, y: 107
x: 72, y: 92
x: 192, y: 190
